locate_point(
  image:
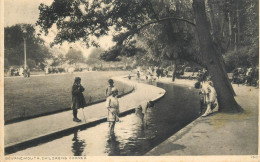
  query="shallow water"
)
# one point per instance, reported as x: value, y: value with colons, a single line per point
x: 175, y: 110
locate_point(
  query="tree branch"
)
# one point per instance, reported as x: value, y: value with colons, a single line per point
x: 153, y: 22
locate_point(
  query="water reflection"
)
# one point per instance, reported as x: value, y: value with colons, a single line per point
x: 77, y: 144
x: 113, y: 145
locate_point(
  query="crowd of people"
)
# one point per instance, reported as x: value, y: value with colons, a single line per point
x: 247, y: 76
x: 20, y: 71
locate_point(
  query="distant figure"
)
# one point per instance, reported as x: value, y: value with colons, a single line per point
x: 12, y: 71
x: 109, y: 88
x: 21, y: 70
x: 204, y: 74
x: 46, y: 70
x: 28, y: 72
x: 78, y: 100
x: 249, y: 76
x: 141, y: 112
x: 129, y: 77
x: 150, y: 79
x: 112, y: 106
x: 138, y: 75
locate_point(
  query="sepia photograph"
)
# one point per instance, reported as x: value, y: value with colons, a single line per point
x: 175, y: 79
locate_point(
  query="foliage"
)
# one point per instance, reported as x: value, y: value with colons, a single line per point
x: 14, y: 45
x: 235, y: 31
x: 94, y: 56
x: 240, y: 58
x: 80, y: 20
x: 31, y: 63
x: 58, y: 60
x: 75, y: 56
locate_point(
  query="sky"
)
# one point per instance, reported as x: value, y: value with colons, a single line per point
x: 26, y: 11
x: 22, y: 11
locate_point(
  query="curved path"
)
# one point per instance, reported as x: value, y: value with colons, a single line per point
x: 29, y: 131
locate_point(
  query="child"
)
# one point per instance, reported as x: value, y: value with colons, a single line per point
x: 109, y: 88
x: 112, y: 105
x: 78, y: 100
x: 141, y: 112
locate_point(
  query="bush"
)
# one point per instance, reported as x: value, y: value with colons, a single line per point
x: 240, y: 58
x: 31, y: 63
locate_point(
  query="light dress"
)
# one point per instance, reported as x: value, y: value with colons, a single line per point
x: 112, y: 105
x: 210, y: 97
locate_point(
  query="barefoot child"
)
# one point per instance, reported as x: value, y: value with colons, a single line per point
x: 141, y: 111
x: 112, y: 105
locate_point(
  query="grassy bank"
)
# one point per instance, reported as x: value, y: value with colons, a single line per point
x: 35, y: 96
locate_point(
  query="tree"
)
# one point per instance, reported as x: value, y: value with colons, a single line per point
x: 128, y: 18
x: 212, y: 59
x: 75, y: 56
x: 14, y: 50
x: 94, y: 57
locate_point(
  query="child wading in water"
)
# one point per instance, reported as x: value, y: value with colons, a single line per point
x: 141, y: 112
x: 78, y: 100
x: 112, y: 105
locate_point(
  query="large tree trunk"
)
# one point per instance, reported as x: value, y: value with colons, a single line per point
x: 210, y: 58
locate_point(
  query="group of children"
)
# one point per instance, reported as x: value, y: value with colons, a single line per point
x: 112, y: 104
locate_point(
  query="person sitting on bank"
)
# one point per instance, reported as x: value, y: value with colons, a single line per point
x: 141, y: 112
x: 78, y: 100
x: 112, y: 105
x: 109, y: 88
x: 210, y: 98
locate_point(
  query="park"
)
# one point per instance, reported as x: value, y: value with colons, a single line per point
x: 196, y: 61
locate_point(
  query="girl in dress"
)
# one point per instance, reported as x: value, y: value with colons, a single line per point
x: 78, y: 100
x: 112, y: 105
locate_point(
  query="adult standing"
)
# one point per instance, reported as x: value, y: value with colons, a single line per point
x: 21, y: 71
x: 78, y: 100
x: 158, y: 72
x: 28, y: 72
x: 112, y: 106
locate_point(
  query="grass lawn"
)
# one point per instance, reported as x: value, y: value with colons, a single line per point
x: 34, y: 96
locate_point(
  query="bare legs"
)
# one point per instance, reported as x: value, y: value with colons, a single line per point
x: 111, y: 127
